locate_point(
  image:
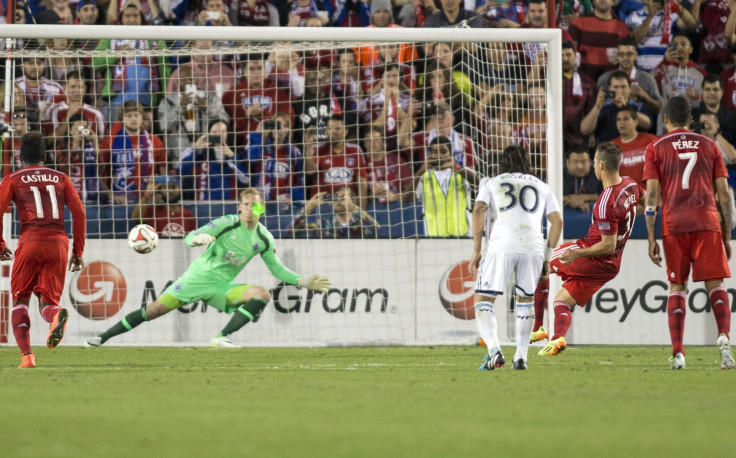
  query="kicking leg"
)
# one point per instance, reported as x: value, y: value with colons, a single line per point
x: 252, y: 300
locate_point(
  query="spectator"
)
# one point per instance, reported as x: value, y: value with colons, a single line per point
x: 39, y: 91
x: 20, y: 124
x: 442, y: 54
x: 682, y: 76
x: 277, y: 166
x: 345, y: 221
x: 160, y: 207
x: 388, y: 108
x: 717, y: 34
x: 505, y: 15
x: 382, y: 16
x: 437, y: 87
x: 301, y: 10
x: 578, y: 97
x: 257, y: 13
x: 533, y: 129
x: 61, y: 65
x: 596, y: 36
x: 502, y: 71
x: 444, y: 190
x: 130, y: 157
x: 285, y: 72
x: 374, y: 65
x: 214, y: 14
x: 580, y: 187
x: 498, y: 125
x: 712, y: 95
x: 209, y: 74
x: 211, y: 170
x: 66, y: 107
x: 389, y: 177
x: 654, y: 25
x: 61, y: 8
x: 314, y: 108
x: 416, y: 12
x: 441, y: 125
x: 337, y: 163
x: 452, y: 13
x: 537, y: 18
x: 628, y: 7
x: 728, y: 77
x: 643, y: 85
x: 76, y: 150
x: 345, y: 85
x: 186, y: 115
x: 633, y: 144
x: 601, y: 120
x: 709, y: 126
x: 351, y: 13
x: 88, y: 13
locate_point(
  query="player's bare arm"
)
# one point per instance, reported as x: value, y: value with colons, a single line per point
x: 606, y: 246
x: 479, y: 215
x: 651, y: 199
x: 725, y: 209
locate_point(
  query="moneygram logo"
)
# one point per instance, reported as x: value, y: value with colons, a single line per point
x: 98, y: 291
x: 456, y: 291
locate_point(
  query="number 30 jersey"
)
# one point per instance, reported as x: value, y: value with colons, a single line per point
x: 518, y: 202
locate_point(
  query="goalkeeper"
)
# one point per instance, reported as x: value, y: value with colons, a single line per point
x: 233, y: 241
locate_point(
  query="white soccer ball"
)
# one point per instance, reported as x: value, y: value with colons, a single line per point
x: 143, y: 238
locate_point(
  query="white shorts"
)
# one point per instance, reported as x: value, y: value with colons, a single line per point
x: 496, y: 268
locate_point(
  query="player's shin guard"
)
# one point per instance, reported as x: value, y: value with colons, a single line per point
x: 541, y: 296
x: 720, y: 304
x: 524, y: 318
x: 250, y: 311
x: 130, y: 321
x: 676, y: 320
x: 563, y: 319
x: 21, y: 327
x: 487, y: 326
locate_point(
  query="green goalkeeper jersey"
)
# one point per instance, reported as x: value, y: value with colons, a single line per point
x: 234, y: 247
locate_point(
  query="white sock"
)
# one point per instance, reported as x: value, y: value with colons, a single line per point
x: 487, y: 326
x: 524, y: 324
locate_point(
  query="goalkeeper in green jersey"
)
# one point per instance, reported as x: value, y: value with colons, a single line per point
x: 233, y: 241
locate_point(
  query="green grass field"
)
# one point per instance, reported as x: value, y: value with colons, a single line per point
x: 371, y: 401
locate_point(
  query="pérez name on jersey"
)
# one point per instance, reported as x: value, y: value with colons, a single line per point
x: 39, y: 178
x: 686, y: 144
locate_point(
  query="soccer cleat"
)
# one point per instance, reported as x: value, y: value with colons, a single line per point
x: 539, y: 334
x: 677, y: 361
x: 95, y: 341
x: 725, y: 348
x: 492, y: 362
x: 28, y: 360
x: 56, y: 331
x: 222, y: 342
x: 519, y: 365
x: 553, y: 347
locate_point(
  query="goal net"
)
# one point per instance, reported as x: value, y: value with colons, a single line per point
x: 368, y: 148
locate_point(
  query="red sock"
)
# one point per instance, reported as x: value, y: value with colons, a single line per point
x: 22, y: 327
x: 676, y: 320
x: 540, y: 303
x: 563, y: 319
x: 49, y: 312
x: 720, y: 305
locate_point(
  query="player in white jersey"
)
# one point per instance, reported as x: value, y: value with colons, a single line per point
x: 518, y: 201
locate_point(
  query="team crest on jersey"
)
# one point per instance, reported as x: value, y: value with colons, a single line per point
x: 351, y: 162
x: 256, y: 247
x: 604, y: 226
x: 682, y: 137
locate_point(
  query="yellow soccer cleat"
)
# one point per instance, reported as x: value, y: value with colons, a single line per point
x: 553, y: 347
x: 539, y: 334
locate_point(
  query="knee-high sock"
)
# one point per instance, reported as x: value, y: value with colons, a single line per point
x: 243, y: 315
x: 524, y: 316
x: 563, y: 319
x: 21, y: 327
x: 541, y: 295
x: 721, y: 309
x: 487, y: 326
x: 676, y: 320
x: 131, y: 320
x: 49, y: 312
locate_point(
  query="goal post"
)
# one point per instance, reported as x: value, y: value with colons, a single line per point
x: 401, y: 282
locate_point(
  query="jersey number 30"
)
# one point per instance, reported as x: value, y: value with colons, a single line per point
x: 519, y: 195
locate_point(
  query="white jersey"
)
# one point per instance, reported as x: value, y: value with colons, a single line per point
x: 518, y: 203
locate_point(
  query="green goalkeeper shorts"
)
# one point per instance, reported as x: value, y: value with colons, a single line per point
x: 223, y: 296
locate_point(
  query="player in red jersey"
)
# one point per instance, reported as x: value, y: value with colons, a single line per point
x: 687, y: 167
x: 40, y: 195
x: 600, y: 250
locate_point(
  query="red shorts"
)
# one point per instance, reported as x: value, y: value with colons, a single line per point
x: 703, y: 249
x: 583, y: 278
x: 39, y: 267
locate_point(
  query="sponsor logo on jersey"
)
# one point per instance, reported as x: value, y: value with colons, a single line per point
x: 234, y: 260
x: 456, y: 291
x: 98, y: 291
x: 339, y: 175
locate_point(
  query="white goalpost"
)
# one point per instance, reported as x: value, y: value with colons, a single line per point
x: 224, y: 108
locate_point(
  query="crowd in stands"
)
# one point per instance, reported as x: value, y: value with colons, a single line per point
x: 364, y: 127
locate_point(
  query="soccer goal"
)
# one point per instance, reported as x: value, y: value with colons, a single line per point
x: 367, y: 145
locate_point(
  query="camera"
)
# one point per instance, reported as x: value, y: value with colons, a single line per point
x: 216, y: 139
x: 610, y: 95
x: 84, y: 131
x: 272, y: 124
x: 213, y: 15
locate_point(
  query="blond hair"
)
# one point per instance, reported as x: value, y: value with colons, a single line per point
x: 250, y: 191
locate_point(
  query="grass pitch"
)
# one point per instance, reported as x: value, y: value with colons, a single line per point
x: 371, y: 401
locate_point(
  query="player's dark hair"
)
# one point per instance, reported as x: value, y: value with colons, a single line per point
x: 619, y: 75
x: 713, y: 78
x: 678, y: 111
x: 32, y: 148
x: 514, y: 159
x: 629, y: 109
x: 610, y: 154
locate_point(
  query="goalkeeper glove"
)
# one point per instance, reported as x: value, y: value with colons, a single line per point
x: 316, y: 283
x: 202, y: 239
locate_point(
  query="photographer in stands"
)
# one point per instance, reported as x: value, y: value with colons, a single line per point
x: 345, y: 221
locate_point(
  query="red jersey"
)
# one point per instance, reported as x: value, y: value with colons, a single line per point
x: 92, y: 115
x: 613, y: 214
x: 597, y: 42
x: 632, y: 156
x: 259, y: 15
x: 392, y: 170
x: 169, y: 223
x: 40, y: 195
x: 338, y: 170
x: 238, y: 100
x: 686, y: 165
x: 728, y: 77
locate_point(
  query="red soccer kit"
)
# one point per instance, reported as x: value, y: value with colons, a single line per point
x: 686, y: 165
x: 338, y: 170
x: 632, y: 156
x: 40, y: 195
x: 613, y: 214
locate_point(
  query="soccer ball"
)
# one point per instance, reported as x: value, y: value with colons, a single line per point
x: 143, y: 239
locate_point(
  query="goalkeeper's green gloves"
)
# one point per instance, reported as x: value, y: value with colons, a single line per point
x: 315, y: 283
x: 202, y: 239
